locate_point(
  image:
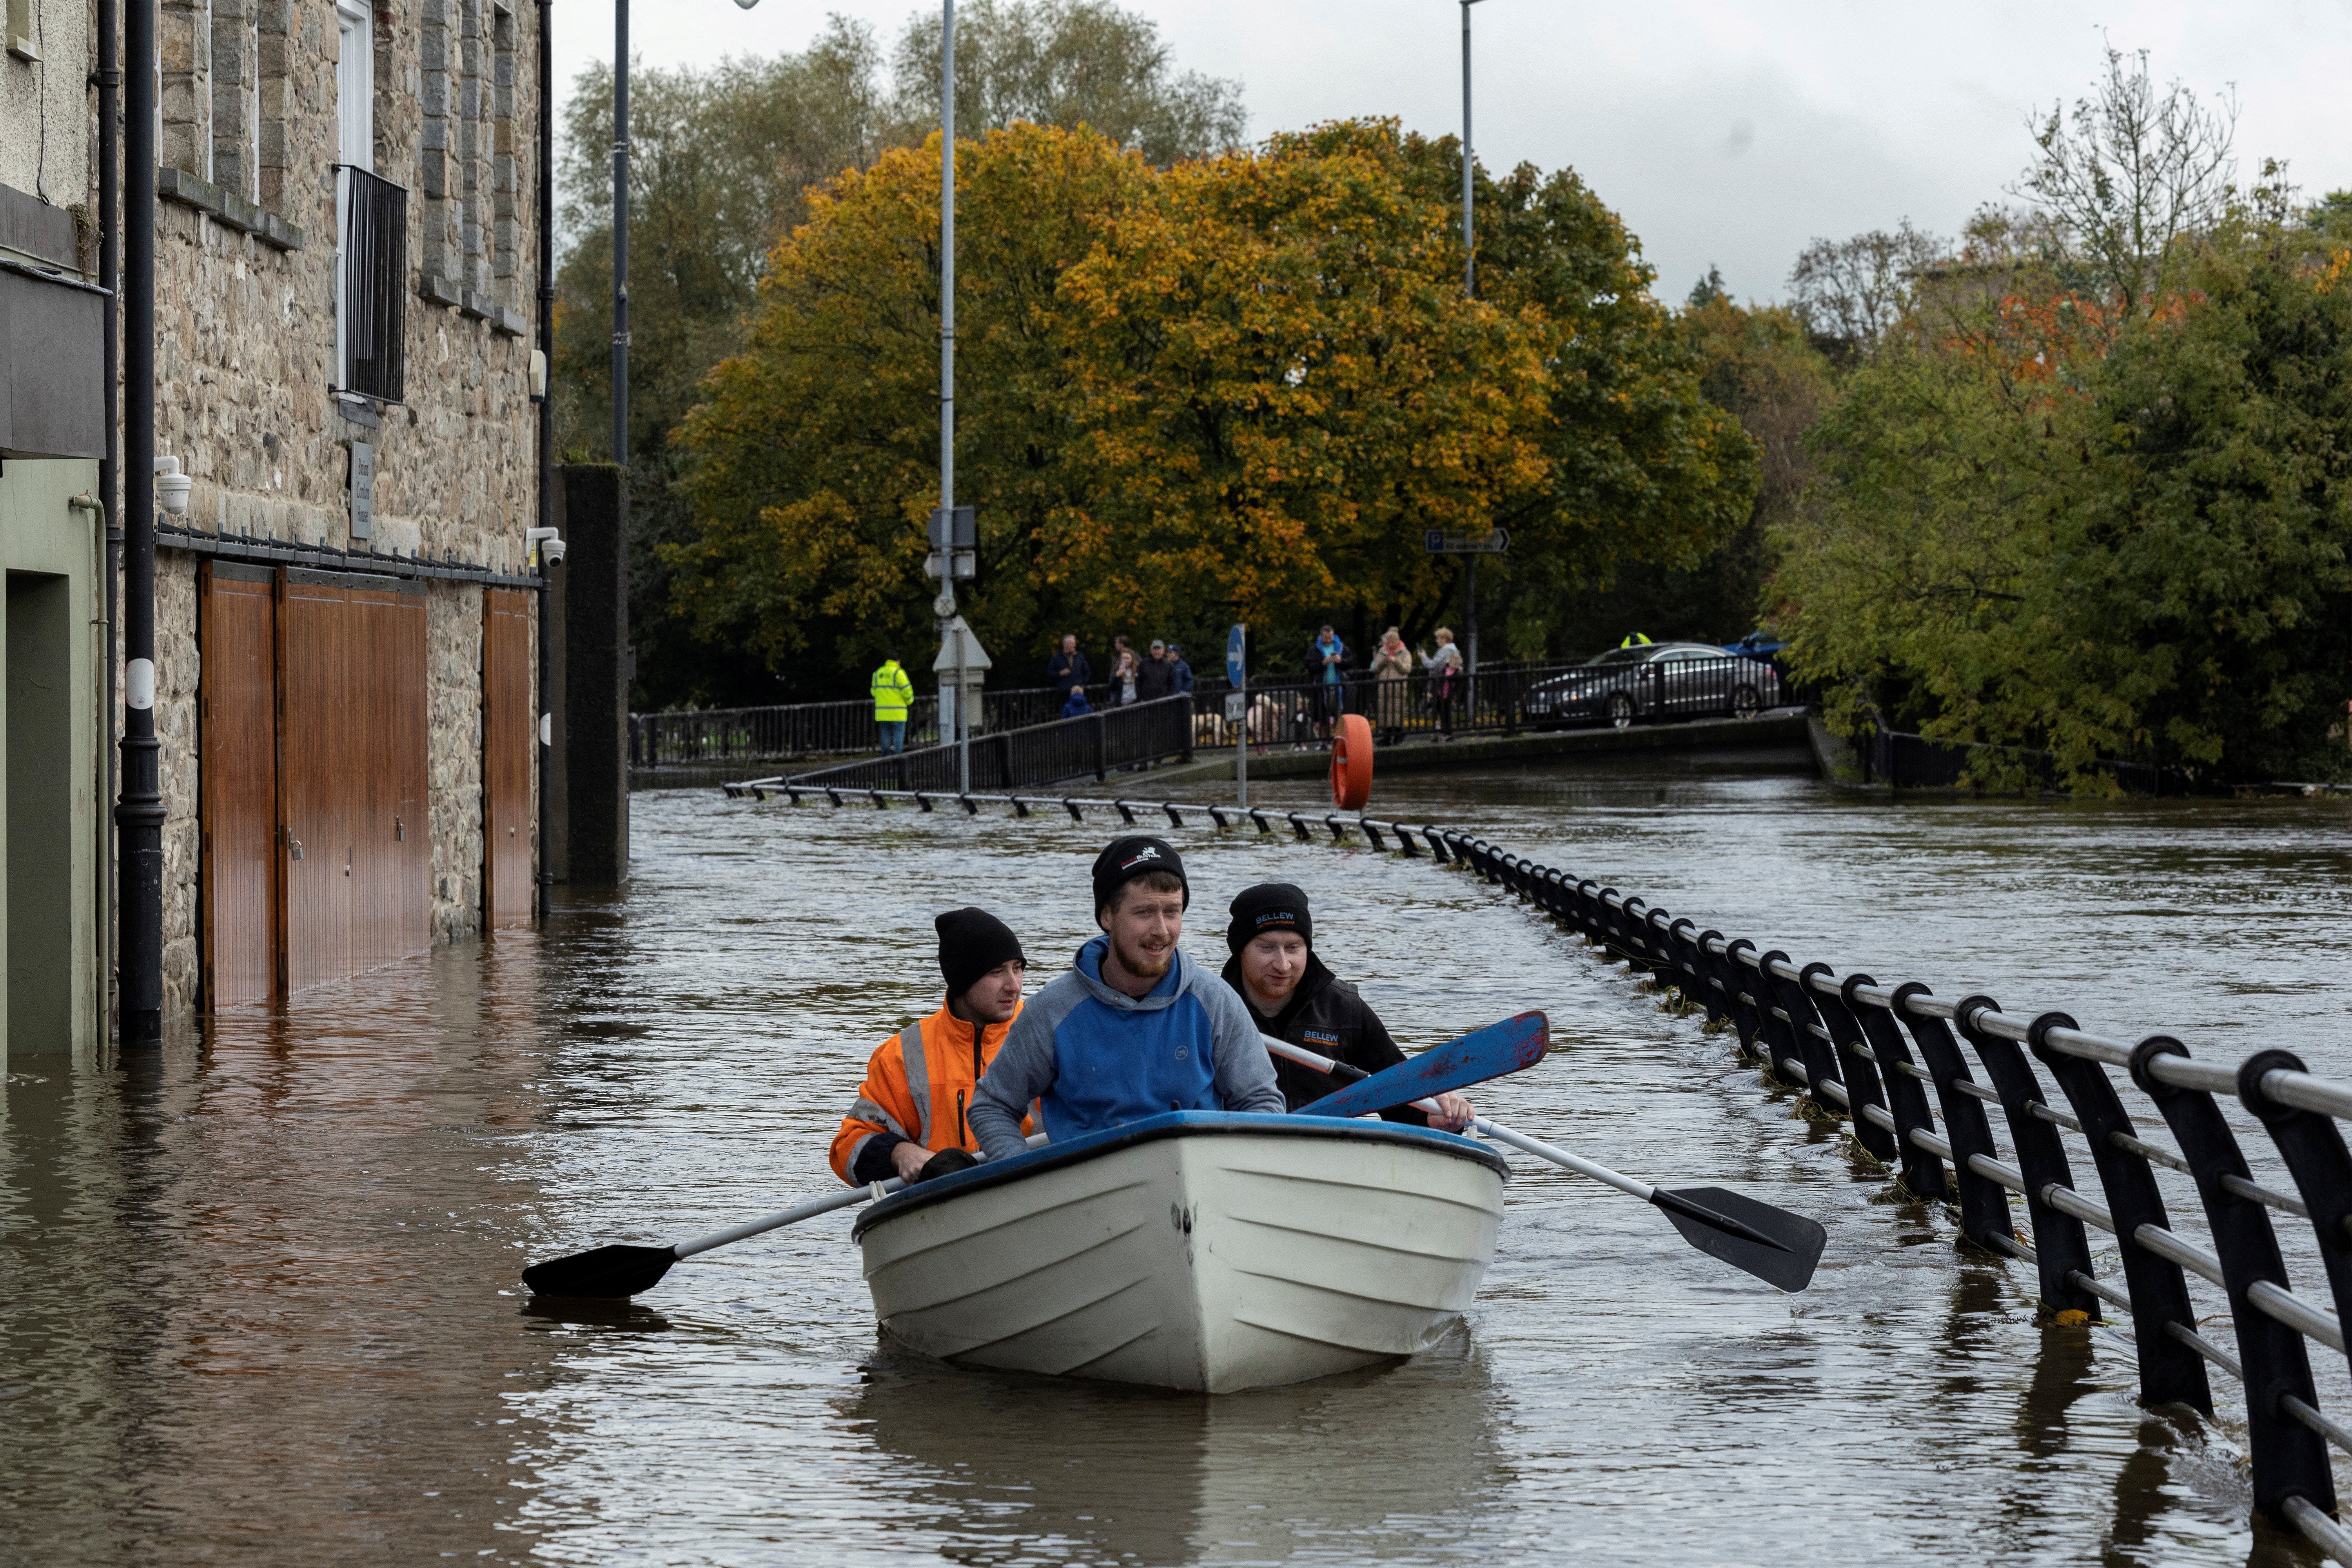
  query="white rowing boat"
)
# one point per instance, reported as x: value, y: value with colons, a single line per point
x: 1195, y: 1250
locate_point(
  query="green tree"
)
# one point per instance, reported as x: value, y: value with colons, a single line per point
x: 1642, y: 470
x: 1237, y: 388
x: 723, y: 162
x: 1068, y: 63
x: 2143, y: 557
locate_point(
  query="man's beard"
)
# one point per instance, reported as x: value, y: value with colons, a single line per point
x: 1143, y: 964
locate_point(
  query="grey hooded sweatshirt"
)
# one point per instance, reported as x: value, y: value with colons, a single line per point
x: 1093, y: 1058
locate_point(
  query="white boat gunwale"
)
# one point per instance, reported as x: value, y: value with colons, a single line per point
x: 1170, y: 1124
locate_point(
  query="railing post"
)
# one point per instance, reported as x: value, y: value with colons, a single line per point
x: 1855, y: 1073
x: 2312, y: 1146
x: 2061, y: 1250
x: 1102, y: 748
x: 1739, y: 995
x: 2289, y: 1459
x: 1923, y: 1171
x: 2170, y: 1373
x: 1820, y: 1061
x: 1984, y: 1203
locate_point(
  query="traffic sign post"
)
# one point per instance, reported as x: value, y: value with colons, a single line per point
x: 1237, y: 706
x: 1494, y: 541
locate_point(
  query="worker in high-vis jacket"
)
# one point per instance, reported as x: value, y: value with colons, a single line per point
x: 912, y: 1116
x: 894, y: 693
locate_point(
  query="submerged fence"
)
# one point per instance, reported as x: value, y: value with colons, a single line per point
x: 1870, y: 1055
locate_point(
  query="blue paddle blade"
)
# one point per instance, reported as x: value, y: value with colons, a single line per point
x: 1490, y: 1052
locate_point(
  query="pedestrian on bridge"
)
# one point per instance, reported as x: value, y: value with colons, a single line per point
x: 1068, y: 667
x: 1327, y: 659
x: 1184, y: 672
x: 1157, y: 677
x: 1392, y: 673
x: 894, y: 693
x: 1444, y: 668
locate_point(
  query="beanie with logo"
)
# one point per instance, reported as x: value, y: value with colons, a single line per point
x: 1137, y: 855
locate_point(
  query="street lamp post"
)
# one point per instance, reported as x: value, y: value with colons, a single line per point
x: 1470, y: 289
x: 621, y: 232
x: 954, y: 542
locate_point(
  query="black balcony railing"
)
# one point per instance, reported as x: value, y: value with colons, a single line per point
x: 369, y: 316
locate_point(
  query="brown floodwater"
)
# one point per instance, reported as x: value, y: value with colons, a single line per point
x: 259, y: 1299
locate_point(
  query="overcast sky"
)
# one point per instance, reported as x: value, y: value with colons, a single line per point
x: 1725, y: 135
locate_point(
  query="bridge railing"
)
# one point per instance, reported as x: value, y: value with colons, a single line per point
x: 1093, y: 745
x: 1505, y: 696
x: 1900, y: 1065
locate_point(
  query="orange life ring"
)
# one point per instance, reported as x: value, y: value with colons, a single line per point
x: 1351, y: 761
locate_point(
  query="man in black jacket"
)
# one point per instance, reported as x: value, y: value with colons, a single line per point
x: 1292, y: 998
x: 1068, y: 667
x: 1157, y: 678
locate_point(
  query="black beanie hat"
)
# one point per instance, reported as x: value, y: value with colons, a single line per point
x: 971, y: 942
x: 1269, y: 906
x: 1124, y: 859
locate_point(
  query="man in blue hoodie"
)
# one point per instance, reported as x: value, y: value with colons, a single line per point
x: 1133, y: 1029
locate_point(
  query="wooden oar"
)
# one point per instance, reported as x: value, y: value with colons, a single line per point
x: 608, y: 1273
x: 1779, y: 1247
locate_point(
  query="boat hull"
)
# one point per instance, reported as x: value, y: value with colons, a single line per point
x: 1192, y: 1250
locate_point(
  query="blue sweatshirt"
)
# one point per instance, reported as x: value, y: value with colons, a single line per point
x: 1093, y: 1058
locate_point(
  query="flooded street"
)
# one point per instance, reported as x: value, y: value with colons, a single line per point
x: 258, y: 1301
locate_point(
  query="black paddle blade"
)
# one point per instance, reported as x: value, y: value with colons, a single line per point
x: 605, y: 1273
x: 1777, y: 1246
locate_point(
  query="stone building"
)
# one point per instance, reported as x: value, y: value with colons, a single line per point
x: 52, y: 538
x: 347, y: 258
x: 347, y: 263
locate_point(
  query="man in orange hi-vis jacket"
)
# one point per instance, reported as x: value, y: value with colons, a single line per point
x: 911, y: 1115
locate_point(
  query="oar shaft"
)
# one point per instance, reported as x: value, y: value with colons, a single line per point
x: 1340, y: 1070
x: 808, y: 1210
x: 1561, y: 1157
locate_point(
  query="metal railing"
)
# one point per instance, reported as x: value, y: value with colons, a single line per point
x: 1095, y: 745
x: 1507, y: 697
x: 1869, y: 1055
x: 369, y: 273
x: 790, y: 732
x: 1900, y: 760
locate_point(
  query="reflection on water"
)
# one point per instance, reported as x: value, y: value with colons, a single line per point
x: 257, y: 1301
x: 998, y: 1466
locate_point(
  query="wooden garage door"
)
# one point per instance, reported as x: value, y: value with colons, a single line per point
x: 506, y: 744
x: 352, y: 747
x: 237, y: 736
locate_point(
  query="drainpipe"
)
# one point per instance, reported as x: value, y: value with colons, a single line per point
x: 546, y: 414
x: 139, y: 810
x: 107, y: 78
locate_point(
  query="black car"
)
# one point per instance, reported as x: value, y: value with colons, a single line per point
x: 1654, y: 681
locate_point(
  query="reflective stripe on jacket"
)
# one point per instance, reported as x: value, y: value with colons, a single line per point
x: 893, y: 693
x: 918, y: 1086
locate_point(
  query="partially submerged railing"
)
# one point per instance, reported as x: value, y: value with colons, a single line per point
x: 1869, y: 1054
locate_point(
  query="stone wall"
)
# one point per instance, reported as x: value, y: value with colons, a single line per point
x: 45, y: 125
x: 246, y: 356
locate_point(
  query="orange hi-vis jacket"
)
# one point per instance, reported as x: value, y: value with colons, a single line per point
x: 919, y: 1086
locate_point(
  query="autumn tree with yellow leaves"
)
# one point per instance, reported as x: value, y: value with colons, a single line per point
x: 1236, y: 388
